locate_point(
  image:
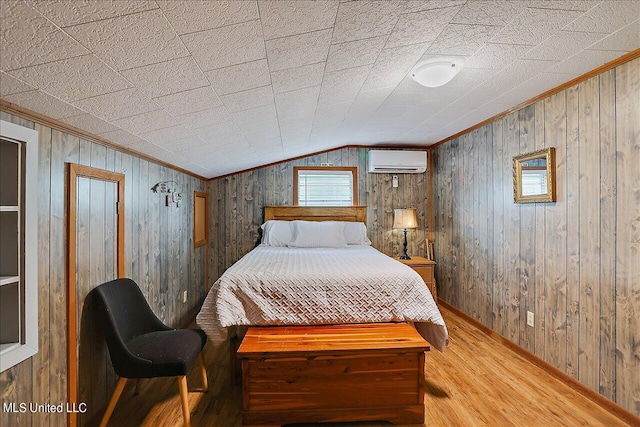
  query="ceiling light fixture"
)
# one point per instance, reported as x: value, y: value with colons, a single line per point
x: 435, y: 73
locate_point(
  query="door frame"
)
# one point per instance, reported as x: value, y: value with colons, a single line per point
x: 75, y: 171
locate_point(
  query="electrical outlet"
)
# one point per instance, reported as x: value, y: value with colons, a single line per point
x: 184, y: 296
x: 529, y: 318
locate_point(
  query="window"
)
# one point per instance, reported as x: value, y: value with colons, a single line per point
x: 325, y: 186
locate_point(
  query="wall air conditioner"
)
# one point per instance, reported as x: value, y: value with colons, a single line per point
x: 397, y: 161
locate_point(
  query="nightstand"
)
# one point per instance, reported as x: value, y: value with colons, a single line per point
x: 426, y: 269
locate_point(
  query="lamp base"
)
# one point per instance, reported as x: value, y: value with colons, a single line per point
x: 404, y: 247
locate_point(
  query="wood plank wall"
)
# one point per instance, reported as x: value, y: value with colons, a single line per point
x: 236, y: 205
x: 576, y: 263
x: 159, y: 256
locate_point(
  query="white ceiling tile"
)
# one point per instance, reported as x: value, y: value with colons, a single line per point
x: 586, y: 59
x: 297, y: 104
x: 43, y: 103
x: 533, y: 26
x: 420, y: 5
x: 74, y: 78
x: 73, y: 12
x: 226, y: 46
x: 189, y: 101
x: 195, y: 153
x: 383, y: 80
x: 179, y: 145
x: 265, y: 140
x: 248, y: 99
x: 624, y: 40
x: 10, y: 85
x: 400, y: 59
x: 469, y: 78
x: 165, y: 155
x: 369, y: 101
x: 237, y: 78
x: 354, y: 54
x: 115, y: 105
x: 344, y: 85
x: 27, y: 38
x: 230, y: 148
x: 189, y: 16
x: 392, y: 66
x: 163, y: 137
x: 89, y: 123
x: 131, y: 40
x: 295, y: 51
x: 281, y: 19
x: 489, y: 12
x: 146, y: 122
x: 167, y: 77
x: 294, y: 138
x: 252, y: 120
x: 365, y: 19
x: 496, y: 56
x: 517, y: 72
x: 421, y: 27
x: 581, y: 5
x: 462, y: 39
x: 297, y: 78
x: 267, y: 127
x: 331, y: 114
x: 223, y: 133
x: 123, y: 138
x: 562, y: 45
x: 607, y: 17
x: 205, y: 118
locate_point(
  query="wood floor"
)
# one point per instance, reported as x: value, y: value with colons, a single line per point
x: 476, y: 382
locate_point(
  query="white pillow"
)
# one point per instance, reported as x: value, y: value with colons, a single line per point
x: 312, y: 234
x: 277, y: 233
x: 355, y: 233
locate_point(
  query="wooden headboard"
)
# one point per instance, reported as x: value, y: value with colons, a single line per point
x: 315, y: 213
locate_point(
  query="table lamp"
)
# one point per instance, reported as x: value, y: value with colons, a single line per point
x: 404, y: 219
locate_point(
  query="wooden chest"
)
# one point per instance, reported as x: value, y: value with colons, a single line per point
x: 333, y: 373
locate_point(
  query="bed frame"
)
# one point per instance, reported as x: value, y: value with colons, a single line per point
x: 310, y: 213
x: 331, y: 395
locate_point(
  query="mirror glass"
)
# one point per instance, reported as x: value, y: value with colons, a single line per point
x: 534, y: 177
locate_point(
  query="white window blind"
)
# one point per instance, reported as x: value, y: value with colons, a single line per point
x: 534, y: 182
x: 325, y: 188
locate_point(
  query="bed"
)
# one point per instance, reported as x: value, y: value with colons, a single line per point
x: 281, y: 285
x: 303, y: 274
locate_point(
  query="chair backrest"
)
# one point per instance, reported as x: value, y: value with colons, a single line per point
x: 123, y: 313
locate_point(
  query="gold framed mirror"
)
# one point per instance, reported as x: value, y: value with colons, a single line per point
x: 534, y: 177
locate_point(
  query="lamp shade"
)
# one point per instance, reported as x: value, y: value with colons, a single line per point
x: 435, y: 73
x: 405, y: 218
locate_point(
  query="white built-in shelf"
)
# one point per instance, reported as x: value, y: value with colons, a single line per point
x: 4, y: 348
x: 19, y: 244
x: 7, y: 280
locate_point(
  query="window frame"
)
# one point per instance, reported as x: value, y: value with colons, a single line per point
x: 352, y: 169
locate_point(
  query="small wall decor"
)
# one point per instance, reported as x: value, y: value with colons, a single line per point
x: 173, y: 196
x: 534, y: 177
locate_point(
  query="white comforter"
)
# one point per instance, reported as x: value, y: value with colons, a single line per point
x: 296, y: 286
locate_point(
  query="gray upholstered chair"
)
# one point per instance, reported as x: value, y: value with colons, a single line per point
x: 140, y: 345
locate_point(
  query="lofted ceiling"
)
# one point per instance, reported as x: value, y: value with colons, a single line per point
x: 215, y: 87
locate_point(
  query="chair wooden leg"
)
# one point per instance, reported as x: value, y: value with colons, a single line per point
x: 114, y: 400
x: 203, y: 371
x: 184, y: 399
x: 137, y: 391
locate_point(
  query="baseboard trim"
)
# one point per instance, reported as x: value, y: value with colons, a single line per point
x: 590, y: 394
